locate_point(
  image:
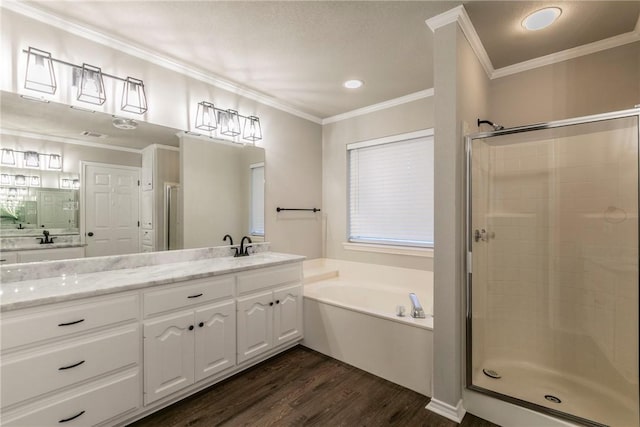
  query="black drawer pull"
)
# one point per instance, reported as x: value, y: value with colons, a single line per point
x: 194, y: 296
x: 201, y: 324
x: 71, y: 366
x: 72, y: 418
x: 3, y: 260
x: 70, y: 323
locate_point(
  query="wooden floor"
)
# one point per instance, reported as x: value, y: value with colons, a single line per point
x: 303, y: 387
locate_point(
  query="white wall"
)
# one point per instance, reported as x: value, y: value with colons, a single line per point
x: 293, y: 145
x: 403, y: 118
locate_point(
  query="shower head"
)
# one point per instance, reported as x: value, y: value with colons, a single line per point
x: 495, y: 126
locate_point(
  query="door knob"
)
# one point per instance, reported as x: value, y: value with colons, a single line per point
x: 90, y: 234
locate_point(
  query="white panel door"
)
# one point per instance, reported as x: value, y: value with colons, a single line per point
x: 255, y: 325
x: 215, y: 339
x: 111, y: 210
x: 168, y: 355
x: 287, y: 314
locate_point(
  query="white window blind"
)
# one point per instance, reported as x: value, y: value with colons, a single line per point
x: 257, y: 199
x: 391, y: 191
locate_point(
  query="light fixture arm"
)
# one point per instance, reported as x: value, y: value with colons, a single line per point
x: 69, y: 64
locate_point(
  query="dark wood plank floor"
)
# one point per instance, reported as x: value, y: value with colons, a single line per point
x: 303, y: 388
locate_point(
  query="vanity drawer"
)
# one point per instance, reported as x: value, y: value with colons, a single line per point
x: 269, y: 277
x: 65, y: 320
x: 86, y: 406
x: 39, y: 372
x: 8, y: 257
x: 188, y: 294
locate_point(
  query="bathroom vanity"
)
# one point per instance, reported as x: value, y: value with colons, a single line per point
x: 139, y: 332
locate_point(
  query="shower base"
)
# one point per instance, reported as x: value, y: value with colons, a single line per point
x: 583, y: 399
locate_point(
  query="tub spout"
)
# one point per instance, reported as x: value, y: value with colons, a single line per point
x: 416, y: 309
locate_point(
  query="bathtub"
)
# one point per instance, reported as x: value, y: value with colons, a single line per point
x: 350, y: 315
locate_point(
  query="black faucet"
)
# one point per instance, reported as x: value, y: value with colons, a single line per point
x: 224, y: 239
x: 244, y: 251
x: 46, y: 239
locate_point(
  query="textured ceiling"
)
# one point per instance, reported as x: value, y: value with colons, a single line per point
x: 499, y: 26
x: 300, y: 52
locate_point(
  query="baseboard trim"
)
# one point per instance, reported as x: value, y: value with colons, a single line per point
x: 454, y: 413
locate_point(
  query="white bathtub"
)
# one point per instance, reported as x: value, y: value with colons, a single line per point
x: 349, y: 314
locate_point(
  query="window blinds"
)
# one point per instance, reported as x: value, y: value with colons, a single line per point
x: 391, y: 192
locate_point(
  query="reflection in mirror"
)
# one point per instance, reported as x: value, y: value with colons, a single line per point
x: 25, y: 211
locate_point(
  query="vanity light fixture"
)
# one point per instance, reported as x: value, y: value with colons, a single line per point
x: 75, y: 184
x: 13, y: 192
x: 20, y: 180
x: 8, y: 157
x: 40, y: 76
x: 65, y: 183
x: 252, y: 131
x: 541, y: 18
x: 55, y: 161
x: 4, y: 179
x: 230, y: 123
x: 31, y: 159
x: 35, y: 181
x: 88, y: 79
x: 206, y: 116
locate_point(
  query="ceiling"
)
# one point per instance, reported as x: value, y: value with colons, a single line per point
x: 300, y: 52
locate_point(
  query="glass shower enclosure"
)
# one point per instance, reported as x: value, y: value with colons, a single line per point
x: 552, y: 267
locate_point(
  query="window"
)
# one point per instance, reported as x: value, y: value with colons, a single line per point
x: 391, y: 190
x: 257, y: 200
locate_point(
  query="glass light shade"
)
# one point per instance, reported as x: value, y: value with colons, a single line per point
x: 75, y: 184
x: 20, y: 180
x: 13, y: 192
x: 31, y: 159
x: 8, y: 158
x: 40, y: 76
x: 230, y: 125
x: 206, y: 118
x: 252, y: 131
x: 91, y: 87
x: 55, y: 161
x: 35, y: 181
x: 5, y: 179
x: 65, y: 183
x: 134, y: 99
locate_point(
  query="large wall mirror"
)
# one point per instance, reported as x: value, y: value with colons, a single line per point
x: 84, y: 135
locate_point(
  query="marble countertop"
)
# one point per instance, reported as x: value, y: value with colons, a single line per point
x: 71, y: 286
x: 43, y: 246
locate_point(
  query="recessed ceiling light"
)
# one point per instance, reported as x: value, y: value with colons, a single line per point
x: 353, y: 84
x: 541, y: 18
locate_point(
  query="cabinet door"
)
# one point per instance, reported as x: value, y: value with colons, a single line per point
x: 146, y: 210
x: 215, y: 339
x: 287, y: 314
x: 255, y: 325
x: 168, y: 355
x: 147, y: 169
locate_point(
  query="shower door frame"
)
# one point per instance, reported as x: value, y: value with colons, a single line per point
x: 468, y: 264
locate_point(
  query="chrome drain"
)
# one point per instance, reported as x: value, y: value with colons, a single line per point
x: 551, y: 398
x: 491, y: 374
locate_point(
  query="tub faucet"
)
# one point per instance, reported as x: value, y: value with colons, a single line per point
x: 416, y: 309
x: 244, y: 251
x: 224, y: 239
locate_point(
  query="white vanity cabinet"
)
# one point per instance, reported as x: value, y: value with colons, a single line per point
x: 183, y: 348
x: 270, y: 314
x: 61, y: 362
x: 50, y: 254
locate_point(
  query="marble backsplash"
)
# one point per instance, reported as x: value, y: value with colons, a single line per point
x: 40, y: 270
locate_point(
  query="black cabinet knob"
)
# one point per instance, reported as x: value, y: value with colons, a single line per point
x: 271, y: 303
x: 90, y: 234
x: 277, y: 301
x: 191, y: 327
x: 201, y: 324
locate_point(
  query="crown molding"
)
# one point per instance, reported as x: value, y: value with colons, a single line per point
x: 567, y: 54
x: 52, y: 138
x: 379, y: 106
x: 151, y: 56
x: 459, y: 14
x: 162, y: 147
